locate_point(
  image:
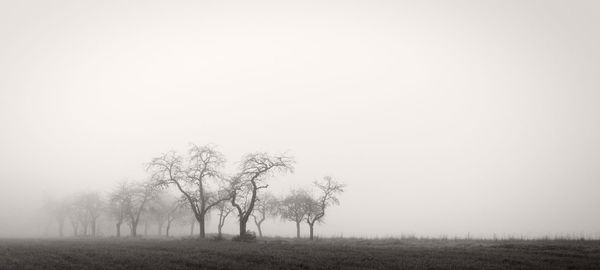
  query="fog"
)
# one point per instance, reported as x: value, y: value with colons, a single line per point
x: 452, y: 118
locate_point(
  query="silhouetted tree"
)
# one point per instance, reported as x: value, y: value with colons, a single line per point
x: 315, y: 208
x: 292, y: 207
x: 198, y: 179
x: 59, y: 210
x: 266, y: 205
x: 86, y: 208
x: 142, y: 193
x: 157, y: 212
x: 120, y: 204
x: 244, y: 187
x: 165, y: 209
x: 224, y: 209
x: 176, y: 212
x: 191, y: 220
x: 74, y: 215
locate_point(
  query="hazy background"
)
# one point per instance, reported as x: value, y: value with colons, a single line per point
x: 442, y: 117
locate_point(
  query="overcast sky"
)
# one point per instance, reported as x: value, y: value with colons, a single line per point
x: 442, y: 117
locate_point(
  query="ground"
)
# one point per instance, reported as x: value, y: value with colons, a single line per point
x: 112, y: 253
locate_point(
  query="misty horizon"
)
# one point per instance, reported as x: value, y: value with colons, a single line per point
x: 442, y: 119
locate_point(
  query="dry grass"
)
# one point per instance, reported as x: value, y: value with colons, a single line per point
x: 282, y: 253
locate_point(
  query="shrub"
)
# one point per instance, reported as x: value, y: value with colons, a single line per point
x: 217, y: 238
x: 249, y: 236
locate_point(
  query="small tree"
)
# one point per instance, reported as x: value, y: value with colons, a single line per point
x: 74, y: 215
x: 176, y: 212
x: 244, y: 187
x: 80, y: 214
x: 142, y: 193
x: 315, y: 208
x: 120, y: 204
x: 92, y: 205
x: 223, y: 209
x: 266, y: 205
x: 292, y: 207
x: 166, y: 208
x: 157, y: 212
x: 191, y: 220
x: 59, y: 210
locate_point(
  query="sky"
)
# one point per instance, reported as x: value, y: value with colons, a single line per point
x: 442, y: 117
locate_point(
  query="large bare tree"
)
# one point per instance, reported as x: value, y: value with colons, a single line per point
x: 198, y: 178
x: 292, y: 207
x: 315, y: 208
x: 255, y: 168
x: 266, y: 205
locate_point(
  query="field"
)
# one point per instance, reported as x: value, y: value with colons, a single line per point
x: 272, y: 253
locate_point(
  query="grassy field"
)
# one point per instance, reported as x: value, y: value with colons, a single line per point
x: 111, y: 253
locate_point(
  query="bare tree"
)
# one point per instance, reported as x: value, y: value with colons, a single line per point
x: 266, y: 205
x: 255, y: 169
x: 177, y: 211
x: 224, y: 210
x: 197, y: 180
x: 315, y: 208
x: 157, y: 212
x: 83, y: 211
x: 120, y: 203
x: 79, y: 215
x: 59, y: 210
x: 292, y: 207
x: 74, y: 215
x: 191, y: 220
x: 142, y: 193
x: 188, y: 217
x: 165, y: 209
x: 92, y: 206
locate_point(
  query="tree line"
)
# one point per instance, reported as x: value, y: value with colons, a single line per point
x: 187, y: 187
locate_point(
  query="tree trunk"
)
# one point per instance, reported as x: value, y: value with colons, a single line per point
x: 202, y: 232
x: 192, y: 228
x: 118, y: 229
x: 242, y: 227
x: 61, y: 225
x: 93, y: 228
x: 298, y: 230
x: 311, y: 230
x: 168, y: 227
x: 219, y: 228
x: 259, y: 228
x: 134, y: 229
